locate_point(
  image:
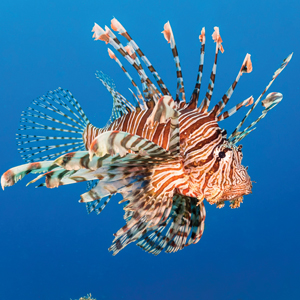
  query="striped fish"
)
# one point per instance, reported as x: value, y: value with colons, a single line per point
x: 164, y: 155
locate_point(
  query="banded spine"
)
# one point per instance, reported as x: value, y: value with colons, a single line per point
x: 116, y: 25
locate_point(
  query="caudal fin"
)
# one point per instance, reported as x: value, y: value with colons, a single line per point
x: 52, y: 125
x: 55, y: 124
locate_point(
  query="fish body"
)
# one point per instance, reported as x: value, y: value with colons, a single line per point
x: 164, y: 155
x: 201, y: 140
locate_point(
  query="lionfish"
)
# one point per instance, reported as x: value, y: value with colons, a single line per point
x: 164, y: 155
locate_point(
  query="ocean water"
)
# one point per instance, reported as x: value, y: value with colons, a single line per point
x: 52, y: 249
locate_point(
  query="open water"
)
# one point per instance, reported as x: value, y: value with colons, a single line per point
x: 51, y: 249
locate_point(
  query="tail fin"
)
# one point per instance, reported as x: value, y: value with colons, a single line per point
x: 51, y: 126
x: 55, y: 123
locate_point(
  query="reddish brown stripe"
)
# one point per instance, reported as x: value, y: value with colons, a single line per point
x: 125, y: 123
x: 197, y: 124
x: 166, y: 134
x: 151, y: 69
x: 143, y: 122
x: 168, y: 184
x: 199, y: 145
x: 179, y: 74
x: 210, y: 172
x: 175, y: 52
x: 125, y: 140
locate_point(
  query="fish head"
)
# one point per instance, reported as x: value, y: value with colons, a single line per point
x: 228, y: 179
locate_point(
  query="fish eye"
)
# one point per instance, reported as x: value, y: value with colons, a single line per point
x: 222, y: 154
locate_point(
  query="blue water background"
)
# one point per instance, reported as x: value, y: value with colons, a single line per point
x: 51, y: 248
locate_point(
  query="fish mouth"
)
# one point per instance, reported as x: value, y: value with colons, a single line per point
x: 230, y: 193
x: 233, y: 193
